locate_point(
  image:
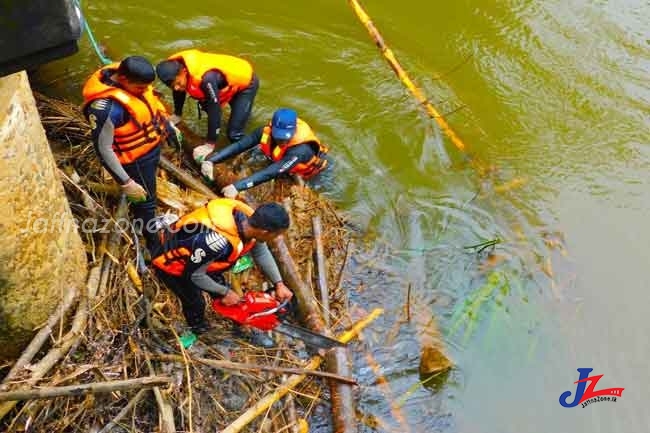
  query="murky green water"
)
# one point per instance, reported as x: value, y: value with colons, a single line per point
x: 552, y: 91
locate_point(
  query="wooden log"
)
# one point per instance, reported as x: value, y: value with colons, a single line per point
x: 321, y: 268
x: 229, y: 365
x: 83, y: 389
x: 186, y: 178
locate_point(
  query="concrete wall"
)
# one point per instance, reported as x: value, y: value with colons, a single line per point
x: 41, y: 253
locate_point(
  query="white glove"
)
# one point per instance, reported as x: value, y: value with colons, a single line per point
x: 200, y: 152
x: 229, y: 191
x: 207, y: 170
x: 134, y: 191
x: 174, y: 119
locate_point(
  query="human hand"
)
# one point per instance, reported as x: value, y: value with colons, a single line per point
x: 200, y: 152
x: 282, y: 292
x: 207, y: 170
x: 134, y: 191
x: 231, y: 298
x: 175, y: 119
x: 229, y: 191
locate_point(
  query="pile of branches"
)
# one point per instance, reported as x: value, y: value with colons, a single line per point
x: 125, y: 325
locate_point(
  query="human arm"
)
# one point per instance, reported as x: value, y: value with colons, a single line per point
x: 211, y: 83
x: 104, y: 115
x: 208, y: 247
x: 295, y: 155
x: 246, y: 143
x: 264, y: 259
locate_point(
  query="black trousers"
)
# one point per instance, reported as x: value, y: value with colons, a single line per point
x: 241, y: 106
x: 143, y: 171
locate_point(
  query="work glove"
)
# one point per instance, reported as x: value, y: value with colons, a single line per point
x: 229, y: 191
x: 134, y: 191
x: 200, y: 152
x: 175, y: 118
x: 207, y: 170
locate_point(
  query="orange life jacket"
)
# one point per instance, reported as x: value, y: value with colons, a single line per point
x: 303, y: 135
x: 145, y: 128
x: 238, y: 72
x: 216, y: 215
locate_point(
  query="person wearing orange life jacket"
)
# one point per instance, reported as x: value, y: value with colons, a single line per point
x: 286, y: 140
x: 195, y: 251
x: 128, y: 123
x: 213, y: 80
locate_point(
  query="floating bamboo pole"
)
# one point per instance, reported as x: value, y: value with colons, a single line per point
x: 412, y: 87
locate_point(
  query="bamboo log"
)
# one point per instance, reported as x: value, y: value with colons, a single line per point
x: 412, y: 87
x: 83, y: 389
x: 262, y: 405
x: 229, y: 365
x: 321, y: 268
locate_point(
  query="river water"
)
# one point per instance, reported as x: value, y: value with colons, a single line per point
x: 554, y: 96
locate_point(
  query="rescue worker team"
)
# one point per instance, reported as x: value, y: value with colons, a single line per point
x: 129, y: 123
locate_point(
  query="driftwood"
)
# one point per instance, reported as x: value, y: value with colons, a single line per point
x: 41, y: 337
x: 40, y: 369
x: 321, y: 269
x: 262, y: 405
x: 228, y: 365
x: 186, y: 178
x: 83, y: 389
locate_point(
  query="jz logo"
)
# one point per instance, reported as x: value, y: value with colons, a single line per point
x: 197, y: 255
x: 586, y: 395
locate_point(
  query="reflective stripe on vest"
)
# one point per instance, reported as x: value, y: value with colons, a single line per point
x: 216, y: 215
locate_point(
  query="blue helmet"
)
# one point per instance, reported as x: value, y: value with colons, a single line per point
x: 283, y: 124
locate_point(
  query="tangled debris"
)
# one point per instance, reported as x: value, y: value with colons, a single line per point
x: 126, y: 325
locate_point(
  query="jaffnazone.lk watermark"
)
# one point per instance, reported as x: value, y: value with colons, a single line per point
x: 63, y: 223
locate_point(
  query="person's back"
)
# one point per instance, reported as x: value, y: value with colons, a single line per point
x: 213, y: 80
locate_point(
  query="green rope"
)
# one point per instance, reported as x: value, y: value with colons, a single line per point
x: 105, y: 60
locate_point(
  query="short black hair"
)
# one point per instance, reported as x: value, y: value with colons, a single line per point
x: 167, y: 71
x: 137, y: 69
x: 271, y: 217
